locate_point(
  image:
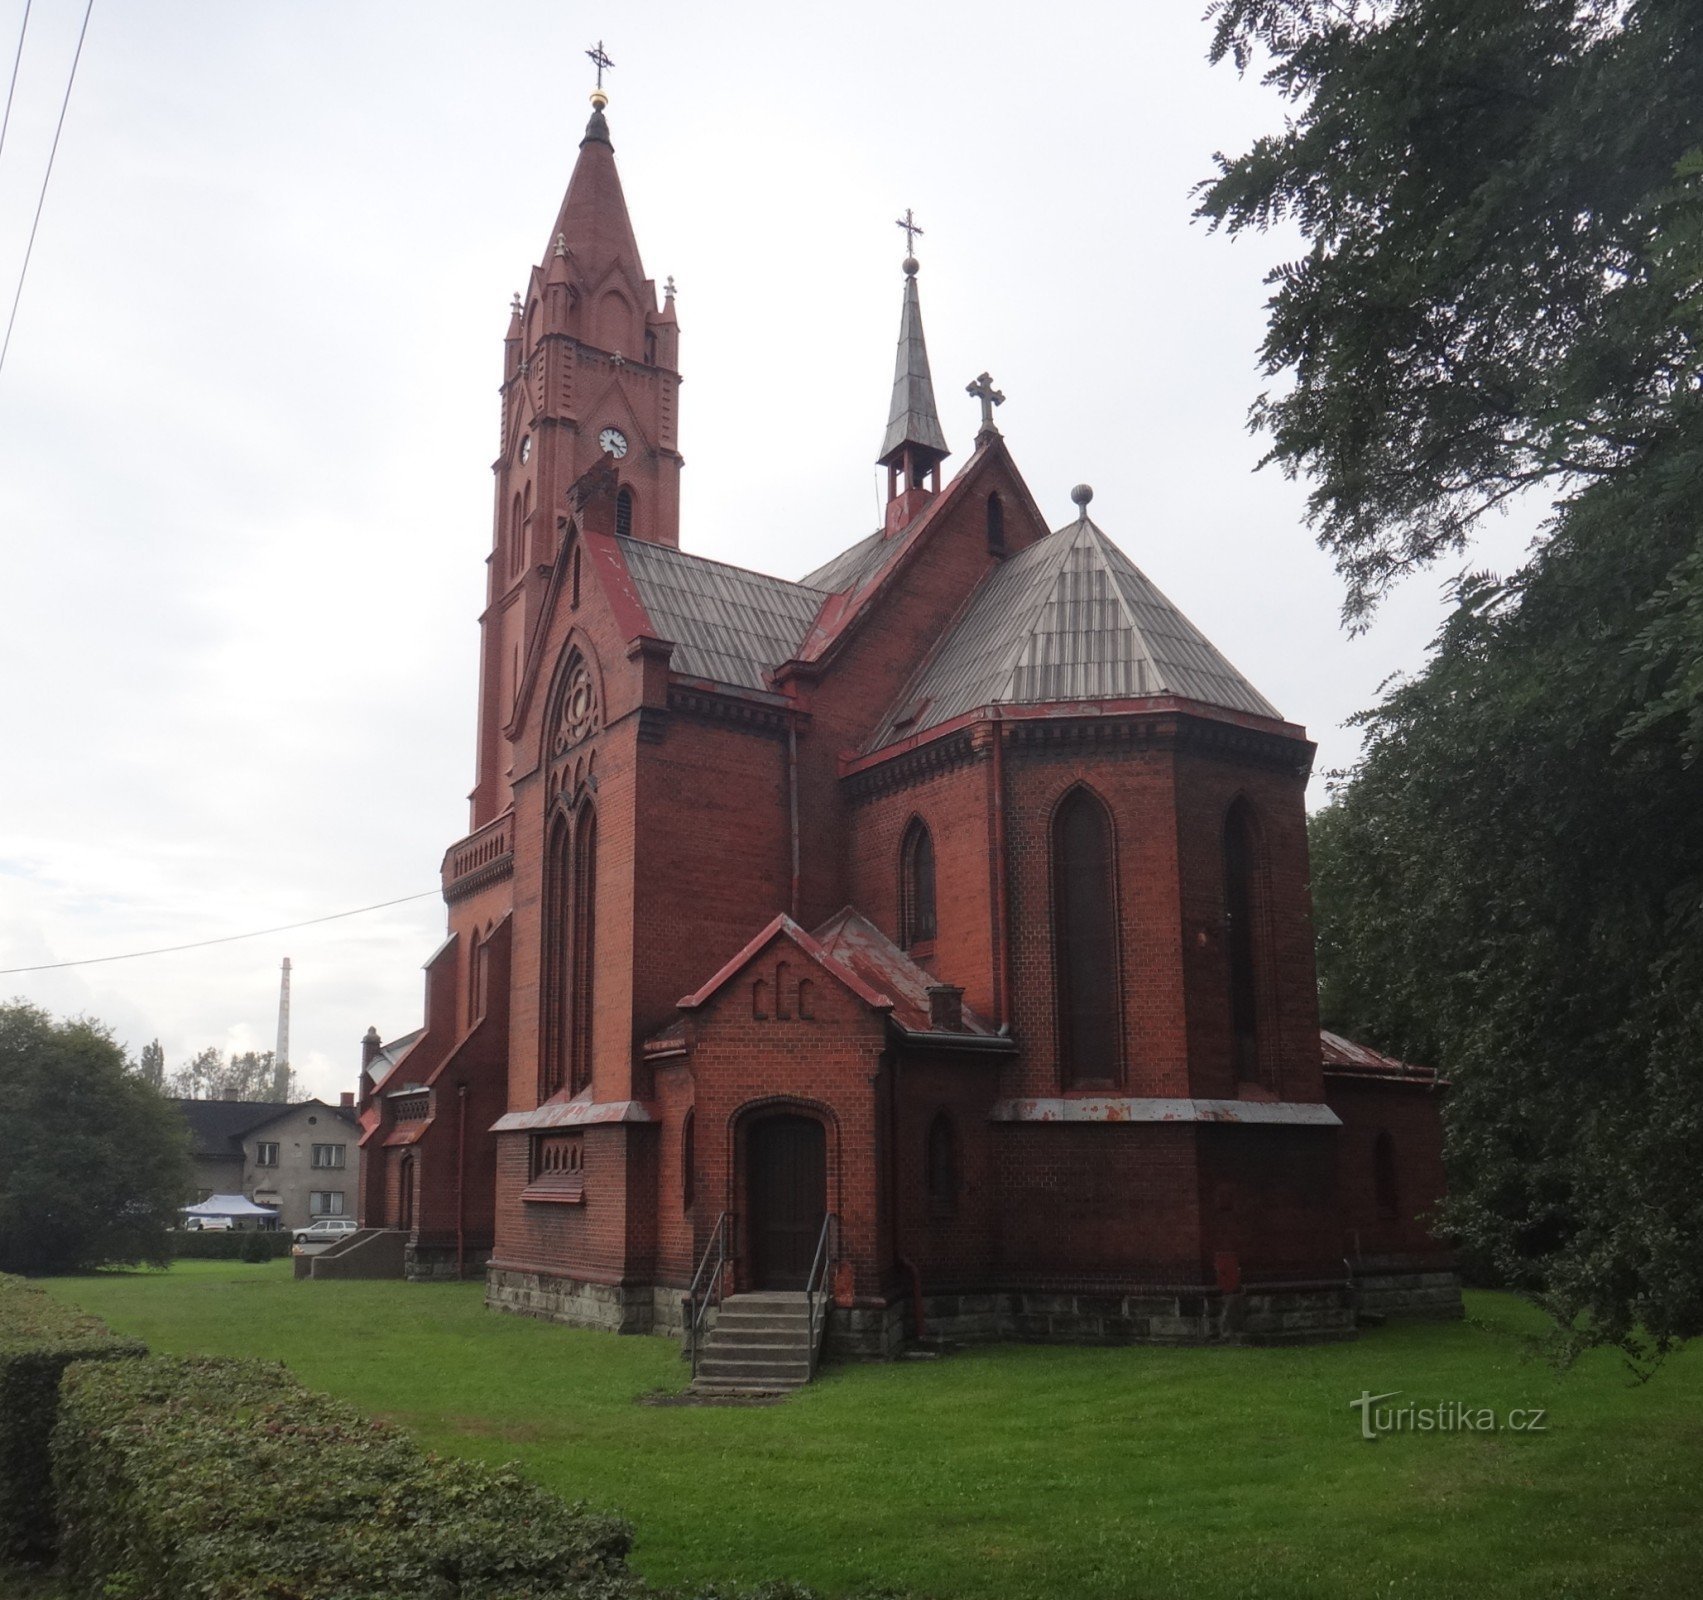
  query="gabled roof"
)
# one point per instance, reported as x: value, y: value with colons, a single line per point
x: 1344, y: 1058
x: 1070, y: 618
x: 728, y: 624
x: 849, y: 568
x: 217, y: 1127
x: 850, y: 948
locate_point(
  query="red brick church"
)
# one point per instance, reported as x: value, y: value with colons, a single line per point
x: 936, y: 922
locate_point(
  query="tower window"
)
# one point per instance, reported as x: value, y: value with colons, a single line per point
x: 1085, y: 941
x: 624, y: 513
x: 1241, y: 909
x: 996, y: 525
x: 916, y: 888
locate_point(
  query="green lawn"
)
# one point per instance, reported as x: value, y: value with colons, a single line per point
x: 1019, y: 1472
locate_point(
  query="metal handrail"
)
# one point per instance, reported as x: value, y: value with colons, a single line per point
x: 816, y: 1287
x: 713, y: 1292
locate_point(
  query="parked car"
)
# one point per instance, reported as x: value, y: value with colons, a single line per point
x: 327, y: 1230
x: 209, y: 1225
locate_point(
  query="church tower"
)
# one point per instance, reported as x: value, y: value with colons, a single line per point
x: 590, y: 378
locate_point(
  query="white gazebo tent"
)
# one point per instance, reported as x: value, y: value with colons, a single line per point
x: 242, y: 1211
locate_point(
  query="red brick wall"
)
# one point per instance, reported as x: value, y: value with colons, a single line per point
x: 1412, y: 1115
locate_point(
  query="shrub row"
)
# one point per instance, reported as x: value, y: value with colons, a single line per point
x: 187, y: 1246
x: 39, y: 1338
x: 211, y: 1479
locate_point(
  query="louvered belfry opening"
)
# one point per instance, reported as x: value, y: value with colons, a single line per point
x: 1241, y: 909
x: 917, y: 886
x: 624, y: 514
x: 996, y: 524
x: 1085, y: 942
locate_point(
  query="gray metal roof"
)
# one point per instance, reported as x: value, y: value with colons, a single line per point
x: 1070, y: 618
x: 728, y: 624
x: 850, y: 567
x: 912, y: 418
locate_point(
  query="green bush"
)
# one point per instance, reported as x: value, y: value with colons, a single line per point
x: 196, y: 1246
x: 39, y: 1338
x: 213, y: 1479
x: 258, y: 1247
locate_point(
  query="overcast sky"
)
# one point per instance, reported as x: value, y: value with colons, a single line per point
x: 248, y: 416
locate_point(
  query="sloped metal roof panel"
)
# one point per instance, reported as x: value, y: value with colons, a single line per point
x: 728, y: 624
x: 1070, y: 618
x: 850, y: 567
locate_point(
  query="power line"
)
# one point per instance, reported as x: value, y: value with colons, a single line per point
x: 229, y: 938
x: 13, y: 89
x: 42, y: 198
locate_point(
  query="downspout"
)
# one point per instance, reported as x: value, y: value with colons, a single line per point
x: 461, y: 1182
x: 792, y: 805
x: 1001, y: 906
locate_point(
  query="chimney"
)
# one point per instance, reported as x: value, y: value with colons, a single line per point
x: 347, y: 1100
x: 371, y: 1044
x: 946, y: 1007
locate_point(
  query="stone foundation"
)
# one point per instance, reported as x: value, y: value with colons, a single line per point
x: 1272, y: 1316
x: 614, y: 1307
x: 435, y: 1263
x: 1256, y: 1316
x: 1433, y: 1295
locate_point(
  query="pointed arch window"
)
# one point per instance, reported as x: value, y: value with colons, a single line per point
x: 517, y: 535
x: 570, y: 954
x: 689, y: 1160
x: 941, y: 1165
x: 1384, y: 1177
x: 1085, y: 942
x: 624, y: 514
x: 996, y: 524
x: 1241, y: 937
x: 917, y: 923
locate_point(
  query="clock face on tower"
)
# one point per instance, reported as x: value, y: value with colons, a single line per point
x: 613, y: 441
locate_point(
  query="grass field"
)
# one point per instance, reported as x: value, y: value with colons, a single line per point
x: 1019, y: 1472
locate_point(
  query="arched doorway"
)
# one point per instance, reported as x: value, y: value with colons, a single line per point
x: 786, y: 1186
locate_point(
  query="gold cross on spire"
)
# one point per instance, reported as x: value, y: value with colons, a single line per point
x: 912, y: 229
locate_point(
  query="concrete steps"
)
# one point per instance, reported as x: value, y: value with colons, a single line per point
x: 759, y: 1344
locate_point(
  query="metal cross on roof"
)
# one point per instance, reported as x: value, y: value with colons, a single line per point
x: 989, y: 396
x: 600, y: 60
x: 912, y: 229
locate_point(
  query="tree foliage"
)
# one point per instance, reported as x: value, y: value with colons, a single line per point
x: 93, y: 1161
x: 249, y: 1075
x: 1482, y: 307
x: 1503, y: 202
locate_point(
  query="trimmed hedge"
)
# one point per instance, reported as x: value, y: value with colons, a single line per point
x: 196, y: 1246
x: 208, y: 1478
x: 39, y: 1338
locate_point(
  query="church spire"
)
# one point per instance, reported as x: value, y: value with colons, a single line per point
x: 593, y: 221
x: 914, y: 436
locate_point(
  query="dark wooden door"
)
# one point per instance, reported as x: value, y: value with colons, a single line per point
x: 787, y: 1172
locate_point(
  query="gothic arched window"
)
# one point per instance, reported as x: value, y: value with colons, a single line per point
x: 584, y: 947
x: 916, y: 886
x: 996, y: 524
x: 1085, y: 941
x: 1241, y: 936
x: 941, y: 1164
x: 570, y: 953
x: 624, y: 513
x: 1384, y: 1176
